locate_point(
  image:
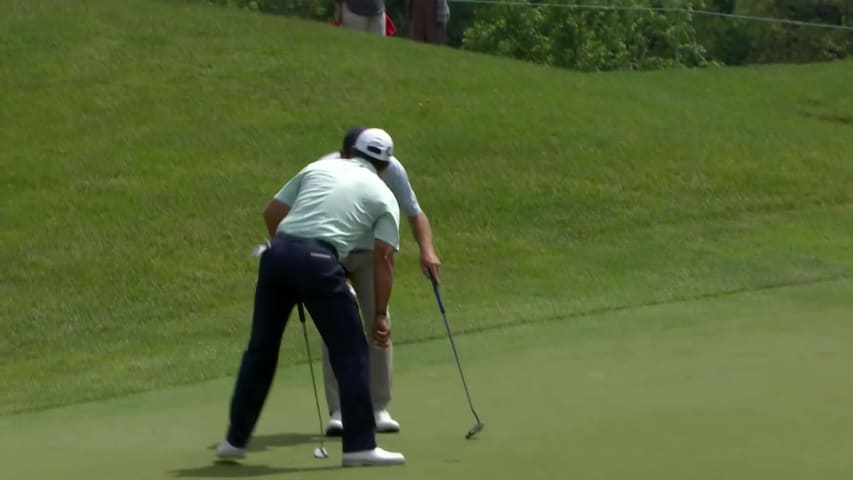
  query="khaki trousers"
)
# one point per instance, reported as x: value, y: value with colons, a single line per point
x: 374, y: 24
x: 359, y: 265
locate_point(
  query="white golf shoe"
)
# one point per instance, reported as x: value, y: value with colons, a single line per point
x: 384, y: 422
x: 226, y: 451
x: 335, y: 427
x: 377, y: 457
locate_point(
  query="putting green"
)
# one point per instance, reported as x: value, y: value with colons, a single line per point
x: 755, y: 385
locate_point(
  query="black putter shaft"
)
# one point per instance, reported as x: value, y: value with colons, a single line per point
x: 478, y: 427
x: 311, y: 367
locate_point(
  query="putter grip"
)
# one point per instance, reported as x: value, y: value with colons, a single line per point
x: 437, y: 292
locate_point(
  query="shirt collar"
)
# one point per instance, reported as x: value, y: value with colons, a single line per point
x: 364, y: 163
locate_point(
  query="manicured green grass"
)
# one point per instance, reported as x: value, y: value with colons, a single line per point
x: 747, y: 386
x: 140, y: 141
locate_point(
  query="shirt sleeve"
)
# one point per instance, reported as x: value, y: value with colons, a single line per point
x: 387, y: 224
x: 287, y: 195
x: 387, y: 229
x: 397, y: 179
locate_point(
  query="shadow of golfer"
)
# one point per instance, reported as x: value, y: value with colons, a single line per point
x: 235, y: 470
x: 259, y: 443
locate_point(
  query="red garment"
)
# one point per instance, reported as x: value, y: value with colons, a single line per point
x: 390, y: 29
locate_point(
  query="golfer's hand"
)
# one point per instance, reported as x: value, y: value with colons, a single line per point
x: 381, y: 331
x: 430, y: 264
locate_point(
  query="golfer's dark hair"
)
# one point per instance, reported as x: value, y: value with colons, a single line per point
x: 349, y: 139
x: 378, y: 165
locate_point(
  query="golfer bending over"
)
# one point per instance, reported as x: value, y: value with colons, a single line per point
x: 359, y: 265
x: 318, y: 217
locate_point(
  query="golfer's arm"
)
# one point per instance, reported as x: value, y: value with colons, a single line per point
x: 383, y: 274
x: 274, y: 214
x: 422, y: 231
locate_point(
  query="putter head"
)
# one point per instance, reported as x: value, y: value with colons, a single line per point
x: 475, y: 430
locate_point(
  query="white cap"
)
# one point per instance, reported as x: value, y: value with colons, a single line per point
x: 376, y: 144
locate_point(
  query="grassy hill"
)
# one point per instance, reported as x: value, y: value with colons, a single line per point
x: 140, y: 141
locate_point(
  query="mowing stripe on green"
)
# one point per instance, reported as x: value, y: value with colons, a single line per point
x: 748, y: 386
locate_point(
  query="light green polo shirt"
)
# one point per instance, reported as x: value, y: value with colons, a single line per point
x: 340, y: 201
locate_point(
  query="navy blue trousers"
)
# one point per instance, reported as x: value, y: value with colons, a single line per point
x: 303, y: 270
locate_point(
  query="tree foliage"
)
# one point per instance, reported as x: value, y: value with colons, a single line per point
x: 740, y: 42
x: 577, y: 36
x: 588, y: 39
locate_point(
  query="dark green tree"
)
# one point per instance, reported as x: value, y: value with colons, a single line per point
x: 589, y: 39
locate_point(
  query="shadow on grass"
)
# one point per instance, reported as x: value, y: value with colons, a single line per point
x: 260, y: 443
x: 234, y: 470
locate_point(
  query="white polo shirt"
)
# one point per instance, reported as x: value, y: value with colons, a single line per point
x: 397, y: 180
x: 342, y: 202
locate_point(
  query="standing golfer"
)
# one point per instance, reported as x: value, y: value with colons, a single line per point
x: 359, y: 265
x: 317, y: 218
